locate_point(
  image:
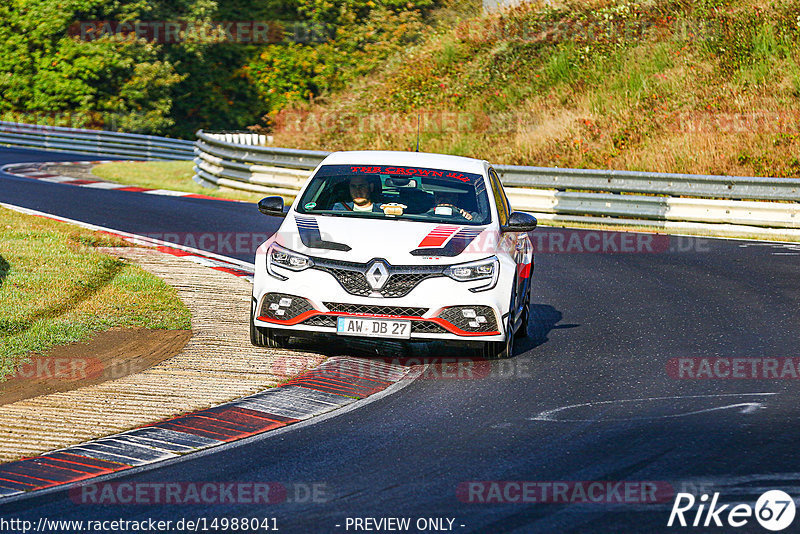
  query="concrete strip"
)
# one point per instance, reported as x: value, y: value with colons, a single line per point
x: 103, y: 185
x: 136, y: 454
x: 102, y: 454
x: 163, y: 446
x: 166, y: 192
x: 57, y: 179
x: 318, y: 396
x: 171, y: 437
x: 289, y: 402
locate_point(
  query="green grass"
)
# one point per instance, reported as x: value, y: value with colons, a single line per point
x: 170, y: 175
x: 656, y: 85
x: 55, y: 289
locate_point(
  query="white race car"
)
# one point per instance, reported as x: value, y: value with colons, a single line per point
x: 396, y: 245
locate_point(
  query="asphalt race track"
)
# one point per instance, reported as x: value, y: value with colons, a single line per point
x: 592, y: 396
x: 151, y: 215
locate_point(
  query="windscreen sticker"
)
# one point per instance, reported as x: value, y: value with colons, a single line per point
x: 329, y: 170
x: 410, y: 171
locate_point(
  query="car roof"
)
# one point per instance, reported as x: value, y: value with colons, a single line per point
x: 407, y: 159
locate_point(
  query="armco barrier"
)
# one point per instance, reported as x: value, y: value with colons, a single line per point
x: 769, y: 206
x: 94, y: 142
x: 566, y: 195
x: 245, y: 165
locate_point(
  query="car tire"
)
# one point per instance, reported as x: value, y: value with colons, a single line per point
x: 526, y: 315
x: 500, y: 350
x: 266, y: 337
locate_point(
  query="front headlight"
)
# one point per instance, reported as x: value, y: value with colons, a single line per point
x: 278, y: 256
x: 487, y: 269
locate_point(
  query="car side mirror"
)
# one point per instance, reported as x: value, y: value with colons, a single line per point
x: 520, y: 222
x: 271, y: 206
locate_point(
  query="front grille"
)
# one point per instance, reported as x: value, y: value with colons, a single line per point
x: 368, y: 309
x: 471, y: 318
x: 400, y: 285
x: 353, y: 282
x: 422, y: 327
x: 402, y: 279
x: 283, y: 307
x: 325, y: 321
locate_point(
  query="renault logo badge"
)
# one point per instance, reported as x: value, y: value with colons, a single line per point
x: 377, y: 275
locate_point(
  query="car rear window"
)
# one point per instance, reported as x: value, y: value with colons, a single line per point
x: 403, y: 193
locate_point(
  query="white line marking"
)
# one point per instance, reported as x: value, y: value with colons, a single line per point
x: 747, y: 407
x: 141, y: 240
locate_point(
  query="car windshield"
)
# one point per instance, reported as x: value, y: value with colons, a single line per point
x: 403, y: 193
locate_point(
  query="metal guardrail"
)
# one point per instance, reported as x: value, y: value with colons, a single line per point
x: 694, y: 185
x: 241, y: 161
x: 94, y: 142
x: 552, y: 194
x: 260, y: 169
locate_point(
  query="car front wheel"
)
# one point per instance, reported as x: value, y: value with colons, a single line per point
x: 502, y: 349
x: 266, y: 337
x: 526, y: 315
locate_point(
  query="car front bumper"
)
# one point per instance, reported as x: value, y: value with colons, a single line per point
x: 438, y: 308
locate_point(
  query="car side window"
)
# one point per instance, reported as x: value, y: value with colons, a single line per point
x: 499, y: 198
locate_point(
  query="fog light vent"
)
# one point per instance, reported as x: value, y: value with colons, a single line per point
x: 471, y: 318
x: 283, y: 307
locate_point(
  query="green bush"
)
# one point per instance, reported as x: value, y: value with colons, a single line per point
x: 357, y: 36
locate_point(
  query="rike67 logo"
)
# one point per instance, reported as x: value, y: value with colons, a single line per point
x: 774, y: 510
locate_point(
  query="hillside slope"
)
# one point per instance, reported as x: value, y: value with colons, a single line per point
x: 710, y: 86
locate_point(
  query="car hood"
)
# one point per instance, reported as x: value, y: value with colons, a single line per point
x: 399, y: 242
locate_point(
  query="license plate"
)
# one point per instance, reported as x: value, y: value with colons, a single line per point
x: 354, y: 326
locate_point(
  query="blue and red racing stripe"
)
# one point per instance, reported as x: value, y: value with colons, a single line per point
x: 446, y: 240
x: 311, y: 236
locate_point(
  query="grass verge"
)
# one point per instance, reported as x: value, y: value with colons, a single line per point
x: 703, y: 87
x: 55, y: 289
x: 170, y: 175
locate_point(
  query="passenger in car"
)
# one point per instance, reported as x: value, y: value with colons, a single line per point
x: 447, y: 204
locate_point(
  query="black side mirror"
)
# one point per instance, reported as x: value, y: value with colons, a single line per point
x: 271, y: 206
x: 520, y: 222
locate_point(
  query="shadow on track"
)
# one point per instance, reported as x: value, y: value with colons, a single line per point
x: 543, y: 319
